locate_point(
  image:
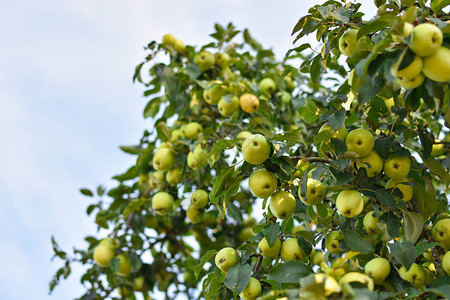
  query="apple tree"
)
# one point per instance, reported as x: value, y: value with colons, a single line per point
x: 324, y: 175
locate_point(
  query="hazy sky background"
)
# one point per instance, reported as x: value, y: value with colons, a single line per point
x: 67, y: 102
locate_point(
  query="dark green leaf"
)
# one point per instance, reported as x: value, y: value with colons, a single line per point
x: 392, y: 223
x: 234, y: 212
x: 377, y: 24
x: 413, y: 225
x: 421, y: 248
x: 404, y: 253
x: 87, y: 192
x: 134, y: 150
x: 289, y: 272
x: 356, y: 242
x: 437, y: 5
x: 237, y: 278
x: 270, y: 232
x: 424, y: 194
x: 216, y: 150
x: 133, y: 205
x: 441, y: 286
x: 205, y: 258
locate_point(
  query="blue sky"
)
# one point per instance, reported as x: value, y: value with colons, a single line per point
x: 67, y: 102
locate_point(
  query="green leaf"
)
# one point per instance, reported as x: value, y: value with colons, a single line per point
x: 234, y: 212
x: 163, y: 132
x: 237, y: 278
x: 136, y: 263
x: 219, y: 184
x: 356, y: 242
x: 437, y: 169
x: 305, y: 245
x: 388, y: 199
x: 87, y: 192
x: 437, y: 5
x: 392, y: 223
x: 441, y: 286
x: 152, y: 107
x: 421, y: 248
x: 270, y: 232
x: 133, y: 205
x: 134, y: 150
x: 425, y: 198
x: 289, y: 272
x: 309, y: 111
x: 377, y: 24
x: 404, y: 253
x: 205, y: 258
x: 290, y: 137
x: 413, y: 225
x: 427, y: 144
x: 216, y: 150
x: 337, y: 120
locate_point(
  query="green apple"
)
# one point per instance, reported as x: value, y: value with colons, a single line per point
x: 446, y: 262
x: 415, y: 275
x: 205, y: 60
x: 199, y: 199
x: 437, y: 66
x: 240, y: 138
x: 438, y: 148
x: 103, y: 254
x: 347, y: 42
x: 262, y: 183
x: 169, y: 39
x: 397, y: 167
x: 256, y: 149
x: 215, y: 91
x: 113, y: 243
x: 378, y: 269
x: 285, y: 97
x: 198, y: 159
x: 316, y: 257
x: 441, y: 232
x: 156, y: 180
x: 290, y: 250
x: 290, y: 87
x: 124, y: 265
x: 222, y: 60
x: 174, y: 176
x: 268, y: 251
x: 426, y: 39
x: 226, y: 258
x: 360, y: 141
x: 252, y: 290
x: 337, y: 134
x: 349, y: 203
x: 125, y: 291
x: 267, y: 85
x: 193, y: 130
x: 409, y: 72
x: 371, y: 223
x: 164, y: 159
x: 332, y: 241
x: 162, y: 203
x: 228, y: 108
x: 194, y: 214
x: 179, y: 46
x: 315, y: 192
x: 282, y: 204
x: 373, y: 163
x: 330, y: 285
x: 139, y: 283
x: 406, y: 189
x: 176, y: 134
x: 413, y: 83
x: 297, y: 229
x: 249, y: 103
x: 245, y: 234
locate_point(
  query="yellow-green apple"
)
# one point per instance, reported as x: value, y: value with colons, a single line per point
x: 360, y: 141
x: 205, y: 60
x: 430, y: 272
x: 124, y: 265
x: 256, y: 149
x: 262, y: 183
x: 249, y: 103
x: 406, y: 189
x: 347, y: 42
x: 240, y: 138
x: 226, y: 258
x: 349, y: 203
x: 397, y: 167
x: 215, y: 91
x: 222, y: 59
x: 298, y: 229
x: 316, y: 256
x: 438, y: 148
x: 139, y: 283
x: 268, y: 251
x: 252, y: 290
x: 426, y: 39
x: 282, y: 204
x: 194, y: 214
x: 315, y: 192
x: 199, y: 198
x: 228, y: 108
x: 389, y: 102
x: 176, y: 134
x: 267, y: 85
x: 285, y: 97
x: 113, y: 243
x: 337, y: 134
x: 446, y: 262
x: 410, y: 71
x: 162, y: 203
x: 197, y: 159
x: 330, y: 284
x: 245, y: 234
x: 378, y: 269
x: 179, y: 46
x: 332, y: 241
x: 371, y: 223
x: 373, y: 163
x: 437, y: 66
x: 163, y: 160
x: 168, y: 39
x: 415, y: 275
x: 407, y: 29
x: 156, y: 180
x: 441, y: 232
x: 413, y: 83
x: 290, y: 250
x: 193, y: 130
x: 174, y: 176
x: 103, y: 254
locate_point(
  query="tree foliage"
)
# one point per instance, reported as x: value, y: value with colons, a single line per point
x: 202, y: 110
